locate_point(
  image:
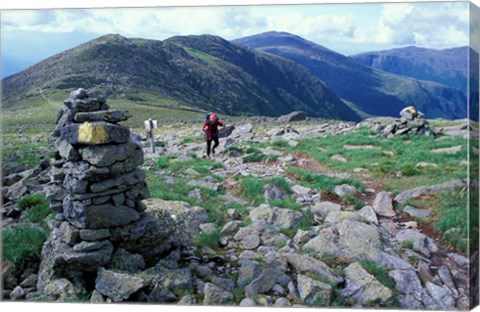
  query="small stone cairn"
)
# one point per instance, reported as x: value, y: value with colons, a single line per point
x: 96, y: 189
x: 409, y: 123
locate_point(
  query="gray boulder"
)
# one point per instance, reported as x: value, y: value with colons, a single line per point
x: 363, y: 288
x: 358, y: 240
x: 247, y: 271
x: 225, y: 131
x: 442, y: 295
x: 268, y: 278
x: 324, y: 244
x: 420, y: 242
x: 344, y: 190
x: 279, y: 218
x: 117, y: 286
x: 112, y: 116
x: 307, y: 264
x: 424, y: 190
x: 411, y: 293
x: 383, y: 205
x: 368, y: 214
x: 272, y: 192
x: 293, y: 116
x: 247, y: 302
x: 416, y: 213
x: 322, y: 209
x: 214, y: 295
x: 124, y: 261
x: 164, y: 225
x: 95, y: 133
x: 314, y: 292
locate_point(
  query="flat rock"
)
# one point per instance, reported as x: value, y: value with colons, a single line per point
x: 339, y: 158
x: 448, y: 150
x: 112, y: 116
x: 301, y: 190
x: 95, y: 133
x: 416, y: 213
x: 344, y: 190
x: 425, y: 165
x: 360, y: 147
x: 293, y: 116
x: 117, y: 286
x: 424, y: 190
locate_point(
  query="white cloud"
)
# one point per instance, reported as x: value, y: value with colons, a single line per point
x: 431, y: 25
x: 426, y: 24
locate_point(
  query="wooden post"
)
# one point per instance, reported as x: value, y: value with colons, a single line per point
x: 150, y: 125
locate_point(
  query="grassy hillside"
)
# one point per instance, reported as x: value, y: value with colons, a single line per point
x: 198, y: 72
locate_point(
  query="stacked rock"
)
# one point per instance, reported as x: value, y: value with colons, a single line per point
x: 96, y: 187
x: 409, y: 123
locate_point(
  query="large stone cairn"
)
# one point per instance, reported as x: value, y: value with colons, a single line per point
x: 96, y: 190
x: 409, y: 123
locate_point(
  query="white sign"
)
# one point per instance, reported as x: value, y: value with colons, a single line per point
x: 151, y: 124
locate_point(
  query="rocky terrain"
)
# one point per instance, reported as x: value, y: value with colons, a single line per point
x: 248, y: 232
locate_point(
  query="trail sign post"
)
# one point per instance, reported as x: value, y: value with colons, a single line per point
x: 150, y: 125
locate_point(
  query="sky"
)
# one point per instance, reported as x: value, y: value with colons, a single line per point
x: 29, y: 36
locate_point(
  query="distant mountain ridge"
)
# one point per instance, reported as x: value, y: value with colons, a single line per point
x: 373, y: 91
x: 448, y: 66
x: 205, y: 72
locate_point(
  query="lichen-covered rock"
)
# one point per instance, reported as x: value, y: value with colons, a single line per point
x: 266, y: 280
x: 420, y: 242
x: 279, y: 218
x: 411, y: 293
x: 62, y: 288
x: 322, y: 209
x: 324, y: 244
x: 368, y: 215
x: 112, y: 116
x: 358, y: 240
x: 363, y: 288
x: 307, y: 264
x: 124, y: 261
x: 117, y: 286
x: 313, y: 292
x: 214, y: 295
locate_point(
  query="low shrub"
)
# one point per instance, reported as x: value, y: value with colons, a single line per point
x: 22, y: 244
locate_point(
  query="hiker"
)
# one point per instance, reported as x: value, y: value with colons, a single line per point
x: 210, y: 127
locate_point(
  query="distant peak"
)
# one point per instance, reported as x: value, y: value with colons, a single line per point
x: 113, y: 38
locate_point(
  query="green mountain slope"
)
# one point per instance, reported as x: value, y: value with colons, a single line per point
x: 202, y: 72
x: 373, y: 91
